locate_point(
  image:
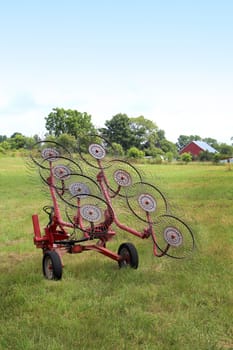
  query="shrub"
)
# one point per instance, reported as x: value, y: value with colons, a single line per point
x: 134, y: 152
x: 186, y: 157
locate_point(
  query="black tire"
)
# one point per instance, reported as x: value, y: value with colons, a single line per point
x: 52, y: 266
x: 129, y: 255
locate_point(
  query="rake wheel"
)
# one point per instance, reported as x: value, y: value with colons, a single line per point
x: 90, y: 214
x: 120, y: 175
x: 173, y: 237
x: 93, y: 149
x: 77, y: 186
x: 146, y: 202
x: 45, y: 152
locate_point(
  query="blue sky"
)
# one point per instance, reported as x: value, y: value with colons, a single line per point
x: 168, y: 60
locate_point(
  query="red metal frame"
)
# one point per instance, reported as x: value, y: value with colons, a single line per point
x: 56, y: 235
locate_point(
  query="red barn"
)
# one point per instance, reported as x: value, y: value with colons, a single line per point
x: 196, y: 147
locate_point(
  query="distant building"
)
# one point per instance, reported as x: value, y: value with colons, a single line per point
x: 227, y: 160
x: 196, y: 147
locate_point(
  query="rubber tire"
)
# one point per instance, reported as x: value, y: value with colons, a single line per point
x: 130, y: 253
x: 52, y: 266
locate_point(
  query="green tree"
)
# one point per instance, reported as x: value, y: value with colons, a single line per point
x: 168, y: 146
x: 154, y: 151
x: 3, y: 138
x: 36, y: 138
x: 17, y: 141
x: 212, y: 142
x: 144, y: 131
x: 29, y: 142
x: 72, y: 122
x: 118, y: 130
x: 225, y: 150
x: 131, y: 132
x: 5, y: 145
x: 68, y: 141
x: 118, y: 149
x: 216, y: 157
x: 183, y: 140
x: 205, y: 156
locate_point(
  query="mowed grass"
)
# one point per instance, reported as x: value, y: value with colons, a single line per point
x: 164, y: 304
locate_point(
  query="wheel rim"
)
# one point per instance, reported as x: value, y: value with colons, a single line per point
x: 121, y: 175
x: 126, y: 259
x: 92, y: 209
x: 143, y: 198
x: 96, y: 151
x: 48, y: 268
x: 97, y: 147
x: 45, y: 152
x: 174, y: 237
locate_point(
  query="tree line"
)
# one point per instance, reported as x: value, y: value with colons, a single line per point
x: 132, y: 136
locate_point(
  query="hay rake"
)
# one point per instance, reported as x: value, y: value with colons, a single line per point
x: 87, y: 191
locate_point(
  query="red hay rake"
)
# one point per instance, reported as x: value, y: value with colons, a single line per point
x: 87, y: 190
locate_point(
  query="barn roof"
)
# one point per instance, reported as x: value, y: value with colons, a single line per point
x: 205, y: 147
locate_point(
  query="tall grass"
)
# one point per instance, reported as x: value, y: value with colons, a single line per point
x: 164, y: 304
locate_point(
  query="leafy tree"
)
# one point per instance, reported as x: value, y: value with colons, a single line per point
x: 160, y: 137
x: 50, y: 138
x: 137, y: 132
x: 152, y: 142
x: 118, y: 149
x: 143, y: 131
x: 118, y: 130
x: 154, y: 151
x: 68, y: 141
x: 17, y: 141
x: 15, y: 134
x: 183, y: 140
x: 29, y: 142
x: 205, y: 156
x: 216, y: 157
x: 158, y: 145
x: 3, y: 138
x: 168, y: 146
x: 131, y: 132
x: 36, y: 138
x: 71, y: 122
x: 5, y: 145
x: 212, y: 142
x: 225, y: 150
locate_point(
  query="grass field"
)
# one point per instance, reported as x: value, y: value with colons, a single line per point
x: 164, y: 304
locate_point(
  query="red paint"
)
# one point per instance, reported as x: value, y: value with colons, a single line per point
x: 192, y: 148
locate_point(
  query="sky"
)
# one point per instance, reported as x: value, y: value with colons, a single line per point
x: 168, y: 60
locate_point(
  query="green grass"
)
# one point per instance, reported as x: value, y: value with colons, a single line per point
x: 164, y: 304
